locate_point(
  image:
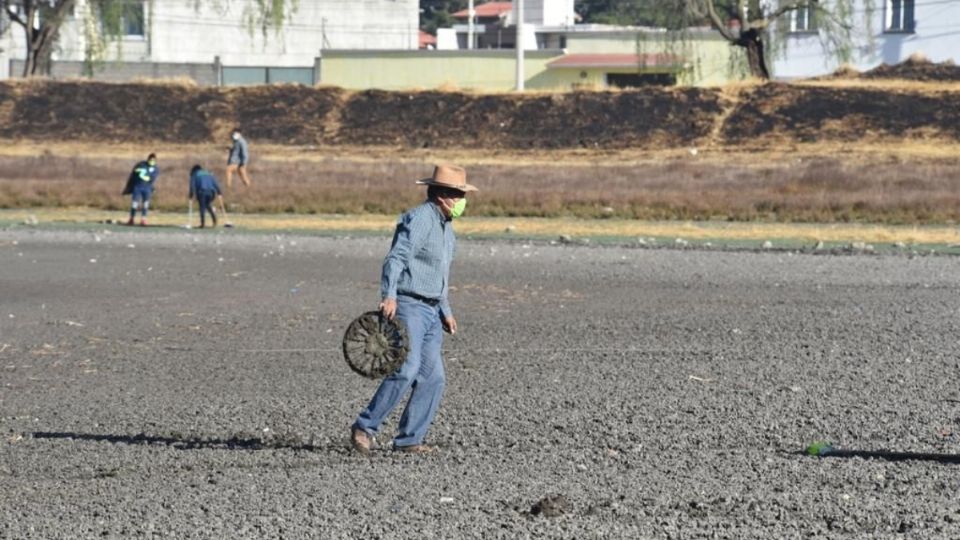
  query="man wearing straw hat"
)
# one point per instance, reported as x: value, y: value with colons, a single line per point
x: 413, y: 287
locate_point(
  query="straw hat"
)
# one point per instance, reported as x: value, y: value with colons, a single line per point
x: 448, y: 176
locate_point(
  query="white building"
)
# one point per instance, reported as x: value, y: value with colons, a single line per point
x: 546, y: 12
x: 495, y: 25
x: 176, y: 32
x: 885, y: 32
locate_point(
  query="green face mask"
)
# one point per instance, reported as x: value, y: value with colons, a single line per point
x: 458, y: 209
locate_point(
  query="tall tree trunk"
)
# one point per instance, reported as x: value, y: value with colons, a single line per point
x: 41, y: 33
x: 752, y: 41
x: 41, y: 50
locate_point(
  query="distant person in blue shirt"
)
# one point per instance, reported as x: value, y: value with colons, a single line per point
x: 204, y: 187
x: 140, y: 186
x: 413, y: 288
x: 238, y: 158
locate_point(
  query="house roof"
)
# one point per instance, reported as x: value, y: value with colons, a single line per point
x: 615, y: 61
x: 427, y: 39
x: 490, y: 9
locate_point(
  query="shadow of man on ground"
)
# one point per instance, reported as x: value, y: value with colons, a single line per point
x: 236, y: 442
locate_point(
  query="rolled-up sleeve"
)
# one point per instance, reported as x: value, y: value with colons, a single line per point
x: 445, y: 309
x: 407, y: 239
x: 451, y: 248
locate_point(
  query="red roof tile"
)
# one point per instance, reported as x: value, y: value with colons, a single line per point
x: 490, y: 9
x: 427, y: 39
x: 615, y: 61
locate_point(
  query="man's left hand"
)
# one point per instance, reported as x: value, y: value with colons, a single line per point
x: 450, y: 325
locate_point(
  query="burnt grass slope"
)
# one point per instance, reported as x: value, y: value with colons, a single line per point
x: 813, y: 114
x: 611, y: 120
x: 299, y: 115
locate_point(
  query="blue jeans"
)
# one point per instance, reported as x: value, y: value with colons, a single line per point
x: 205, y: 202
x: 421, y: 373
x: 140, y: 198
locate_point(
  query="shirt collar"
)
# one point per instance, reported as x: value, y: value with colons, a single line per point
x: 443, y: 219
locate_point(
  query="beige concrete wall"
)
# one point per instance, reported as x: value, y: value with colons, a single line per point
x: 712, y: 62
x: 710, y: 59
x: 486, y: 70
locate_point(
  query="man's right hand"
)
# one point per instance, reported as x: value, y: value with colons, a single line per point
x: 388, y: 307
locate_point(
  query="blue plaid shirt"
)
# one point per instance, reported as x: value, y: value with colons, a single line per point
x: 419, y: 259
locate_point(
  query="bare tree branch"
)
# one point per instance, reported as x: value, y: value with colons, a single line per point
x: 12, y: 14
x: 718, y: 23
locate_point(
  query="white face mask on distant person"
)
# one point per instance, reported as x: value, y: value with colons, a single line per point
x: 236, y: 136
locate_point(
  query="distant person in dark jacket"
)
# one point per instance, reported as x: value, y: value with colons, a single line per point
x: 140, y: 186
x: 238, y: 158
x: 204, y: 187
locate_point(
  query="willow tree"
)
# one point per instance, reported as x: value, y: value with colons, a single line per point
x: 42, y: 20
x: 747, y: 24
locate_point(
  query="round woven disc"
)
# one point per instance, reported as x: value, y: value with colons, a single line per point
x: 375, y: 347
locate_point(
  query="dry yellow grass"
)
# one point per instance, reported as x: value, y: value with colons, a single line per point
x: 538, y: 227
x: 878, y: 185
x: 898, y: 85
x: 852, y: 152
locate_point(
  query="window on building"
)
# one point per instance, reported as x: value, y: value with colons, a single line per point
x: 132, y: 18
x: 636, y: 80
x: 128, y: 17
x: 802, y: 20
x: 900, y: 16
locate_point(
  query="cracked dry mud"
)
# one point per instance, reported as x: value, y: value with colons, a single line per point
x: 192, y: 386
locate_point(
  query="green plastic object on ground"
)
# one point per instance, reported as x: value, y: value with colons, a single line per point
x: 819, y: 448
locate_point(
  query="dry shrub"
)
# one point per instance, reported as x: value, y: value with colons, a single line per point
x: 846, y: 71
x: 449, y: 86
x: 181, y: 81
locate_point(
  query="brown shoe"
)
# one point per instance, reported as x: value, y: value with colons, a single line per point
x: 416, y: 449
x: 360, y: 440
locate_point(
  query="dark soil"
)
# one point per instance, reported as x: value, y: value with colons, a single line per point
x: 285, y: 114
x: 297, y: 115
x: 111, y: 112
x: 817, y: 114
x: 191, y: 385
x: 915, y: 70
x: 648, y: 118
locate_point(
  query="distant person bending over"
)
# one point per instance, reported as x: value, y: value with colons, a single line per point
x: 238, y: 158
x: 140, y: 186
x: 204, y: 187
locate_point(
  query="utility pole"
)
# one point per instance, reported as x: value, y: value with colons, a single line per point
x: 471, y: 13
x: 519, y: 5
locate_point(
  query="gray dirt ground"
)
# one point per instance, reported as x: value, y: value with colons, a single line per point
x: 191, y: 385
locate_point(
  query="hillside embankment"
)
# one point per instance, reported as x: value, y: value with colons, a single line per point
x: 653, y: 118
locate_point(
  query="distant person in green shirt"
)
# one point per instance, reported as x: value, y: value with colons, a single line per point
x: 140, y: 186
